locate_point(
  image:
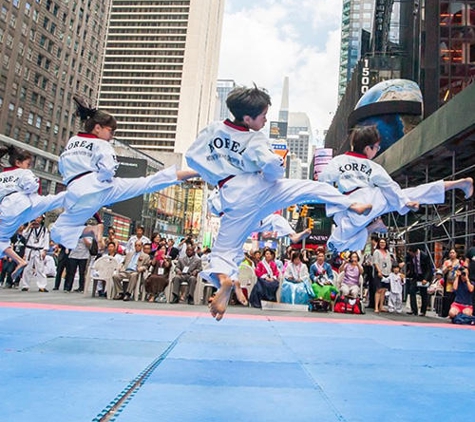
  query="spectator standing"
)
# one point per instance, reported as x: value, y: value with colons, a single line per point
x: 172, y: 251
x: 18, y: 243
x: 449, y: 268
x: 36, y: 247
x: 77, y: 261
x: 139, y: 235
x: 382, y: 268
x: 396, y: 281
x: 61, y: 266
x: 187, y: 270
x: 419, y: 273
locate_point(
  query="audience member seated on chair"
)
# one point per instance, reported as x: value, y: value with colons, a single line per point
x: 321, y: 274
x: 267, y: 280
x: 352, y: 269
x: 296, y: 280
x: 187, y: 269
x: 158, y: 280
x: 134, y: 264
x: 463, y: 289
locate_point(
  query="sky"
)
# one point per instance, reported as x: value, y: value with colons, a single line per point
x: 264, y: 41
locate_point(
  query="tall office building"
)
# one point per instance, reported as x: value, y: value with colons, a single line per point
x: 223, y: 88
x: 49, y: 51
x: 160, y: 71
x: 358, y: 18
x: 298, y: 139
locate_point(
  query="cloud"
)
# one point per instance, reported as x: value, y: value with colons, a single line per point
x: 295, y: 38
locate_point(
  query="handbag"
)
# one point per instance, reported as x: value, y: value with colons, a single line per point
x: 318, y: 305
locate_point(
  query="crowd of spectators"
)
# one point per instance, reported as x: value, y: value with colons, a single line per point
x: 382, y: 278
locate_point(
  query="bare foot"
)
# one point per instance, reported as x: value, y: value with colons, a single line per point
x: 220, y: 302
x: 240, y: 294
x: 19, y: 269
x: 297, y: 237
x: 467, y: 187
x: 413, y: 205
x: 358, y: 208
x: 186, y: 174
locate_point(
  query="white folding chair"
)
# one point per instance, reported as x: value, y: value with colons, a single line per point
x: 102, y: 269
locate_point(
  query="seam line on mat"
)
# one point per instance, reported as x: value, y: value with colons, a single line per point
x: 115, y: 407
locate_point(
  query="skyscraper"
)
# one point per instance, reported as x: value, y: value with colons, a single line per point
x: 49, y: 50
x: 357, y: 21
x: 223, y: 88
x: 160, y: 70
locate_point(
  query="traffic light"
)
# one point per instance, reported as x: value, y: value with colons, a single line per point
x: 291, y: 209
x: 310, y: 223
x: 304, y: 211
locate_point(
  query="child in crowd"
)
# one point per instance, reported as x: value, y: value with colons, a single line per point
x: 396, y: 280
x: 88, y: 165
x: 20, y: 201
x: 365, y: 181
x: 237, y: 157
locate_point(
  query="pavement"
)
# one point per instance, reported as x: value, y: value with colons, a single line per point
x: 70, y: 357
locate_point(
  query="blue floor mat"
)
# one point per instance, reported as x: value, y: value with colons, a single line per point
x: 74, y: 366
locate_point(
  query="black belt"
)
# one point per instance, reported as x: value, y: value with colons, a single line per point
x: 33, y: 248
x: 351, y: 191
x: 78, y: 177
x: 222, y: 182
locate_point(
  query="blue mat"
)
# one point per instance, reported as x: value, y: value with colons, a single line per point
x: 75, y: 366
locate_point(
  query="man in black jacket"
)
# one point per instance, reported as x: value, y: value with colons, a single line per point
x: 419, y: 275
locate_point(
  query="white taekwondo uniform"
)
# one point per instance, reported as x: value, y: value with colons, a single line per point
x: 37, y: 244
x: 249, y: 175
x: 88, y: 165
x: 366, y: 181
x: 20, y: 202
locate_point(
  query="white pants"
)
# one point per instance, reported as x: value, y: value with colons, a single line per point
x: 395, y: 302
x: 351, y: 234
x: 34, y: 270
x: 248, y: 198
x: 352, y: 290
x: 19, y: 208
x: 87, y: 195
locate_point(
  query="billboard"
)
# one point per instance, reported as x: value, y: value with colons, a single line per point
x: 130, y: 168
x: 278, y: 130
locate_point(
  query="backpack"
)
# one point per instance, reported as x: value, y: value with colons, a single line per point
x: 348, y: 305
x: 463, y: 319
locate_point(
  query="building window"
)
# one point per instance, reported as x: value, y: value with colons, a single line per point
x: 31, y: 117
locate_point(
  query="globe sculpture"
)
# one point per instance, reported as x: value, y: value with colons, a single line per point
x: 394, y: 106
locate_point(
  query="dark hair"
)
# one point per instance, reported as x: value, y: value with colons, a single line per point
x: 362, y: 136
x: 413, y: 248
x: 379, y: 243
x: 15, y: 154
x: 243, y: 101
x: 111, y: 243
x: 295, y: 255
x: 92, y: 116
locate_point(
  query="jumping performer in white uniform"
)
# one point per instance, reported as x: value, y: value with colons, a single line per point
x: 88, y: 165
x: 249, y: 176
x: 365, y: 181
x: 19, y: 200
